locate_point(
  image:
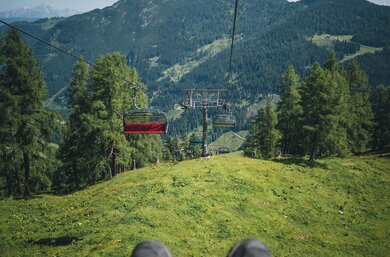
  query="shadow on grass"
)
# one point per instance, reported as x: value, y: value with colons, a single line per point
x: 385, y: 155
x: 69, y: 191
x: 301, y: 162
x: 19, y: 197
x: 58, y: 241
x: 385, y: 152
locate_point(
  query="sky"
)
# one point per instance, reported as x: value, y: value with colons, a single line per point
x: 86, y: 5
x: 80, y: 5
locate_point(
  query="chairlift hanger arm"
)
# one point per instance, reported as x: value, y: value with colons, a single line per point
x: 232, y: 42
x: 203, y: 97
x: 205, y: 90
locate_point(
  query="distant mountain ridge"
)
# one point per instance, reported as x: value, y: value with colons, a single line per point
x: 37, y: 12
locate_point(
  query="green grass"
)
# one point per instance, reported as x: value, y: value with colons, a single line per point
x: 363, y: 50
x: 176, y: 72
x: 201, y: 207
x: 327, y: 40
x: 174, y: 113
x: 230, y: 140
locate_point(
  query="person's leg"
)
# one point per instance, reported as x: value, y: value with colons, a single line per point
x: 151, y: 248
x: 249, y: 248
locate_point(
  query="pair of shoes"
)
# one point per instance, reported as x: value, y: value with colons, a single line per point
x: 151, y: 248
x: 245, y: 248
x: 249, y: 248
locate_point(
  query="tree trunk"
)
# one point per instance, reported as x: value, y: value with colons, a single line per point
x: 311, y: 156
x: 113, y: 160
x: 113, y: 166
x: 26, y: 165
x: 375, y: 136
x: 17, y: 190
x: 8, y: 175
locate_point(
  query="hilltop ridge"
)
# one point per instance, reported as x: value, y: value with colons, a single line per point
x: 334, y: 207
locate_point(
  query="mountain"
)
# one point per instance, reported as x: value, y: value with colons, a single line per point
x: 180, y: 43
x: 36, y: 12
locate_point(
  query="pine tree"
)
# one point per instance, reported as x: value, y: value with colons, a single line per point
x: 360, y: 112
x: 381, y: 106
x: 111, y: 93
x: 74, y: 150
x: 263, y: 135
x: 192, y: 150
x: 26, y: 125
x: 173, y: 146
x: 331, y: 64
x: 94, y: 146
x: 338, y: 117
x: 268, y: 133
x: 313, y: 97
x: 110, y: 97
x: 252, y: 142
x: 289, y: 113
x: 10, y: 156
x: 325, y: 103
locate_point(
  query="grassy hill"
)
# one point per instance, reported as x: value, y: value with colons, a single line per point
x: 201, y: 207
x: 230, y: 140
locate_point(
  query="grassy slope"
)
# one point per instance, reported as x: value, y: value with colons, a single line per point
x: 229, y: 140
x: 327, y: 40
x: 363, y: 50
x: 204, y: 53
x: 200, y: 208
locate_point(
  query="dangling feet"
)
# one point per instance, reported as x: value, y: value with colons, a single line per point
x: 151, y: 248
x: 245, y: 248
x: 249, y: 248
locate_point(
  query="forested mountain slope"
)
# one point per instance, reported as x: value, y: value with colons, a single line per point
x: 180, y: 43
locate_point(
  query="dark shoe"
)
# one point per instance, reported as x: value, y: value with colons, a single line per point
x: 151, y: 248
x: 249, y: 248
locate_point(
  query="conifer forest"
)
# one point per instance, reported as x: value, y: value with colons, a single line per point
x: 271, y: 103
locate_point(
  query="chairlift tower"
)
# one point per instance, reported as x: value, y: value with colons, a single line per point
x: 204, y: 99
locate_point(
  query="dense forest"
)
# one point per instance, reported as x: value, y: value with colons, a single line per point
x: 61, y: 122
x: 181, y: 44
x: 41, y: 152
x: 329, y: 113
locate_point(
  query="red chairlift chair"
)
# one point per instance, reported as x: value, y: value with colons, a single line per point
x: 144, y: 121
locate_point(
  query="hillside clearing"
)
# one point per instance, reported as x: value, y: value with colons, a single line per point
x: 200, y: 208
x: 363, y: 50
x: 327, y: 40
x: 230, y: 140
x: 176, y: 72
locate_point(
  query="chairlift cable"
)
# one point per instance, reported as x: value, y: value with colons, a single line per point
x: 232, y: 42
x: 228, y: 120
x: 153, y: 127
x: 64, y: 51
x: 131, y: 209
